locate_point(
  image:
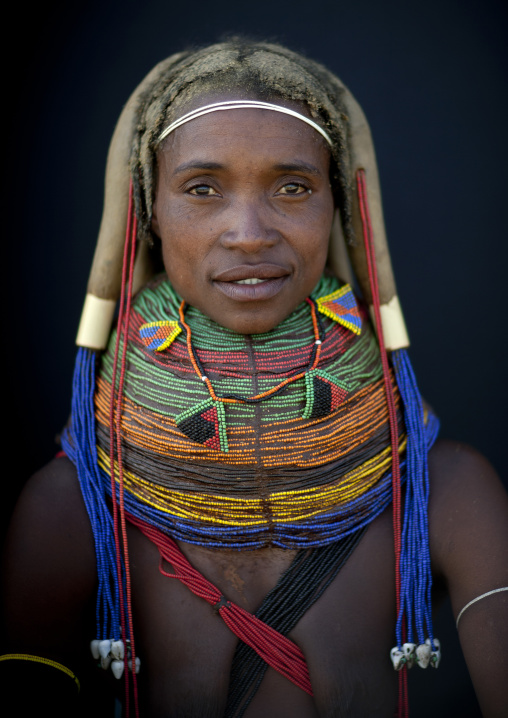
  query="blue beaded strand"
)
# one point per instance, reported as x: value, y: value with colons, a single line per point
x: 415, y: 568
x: 79, y: 443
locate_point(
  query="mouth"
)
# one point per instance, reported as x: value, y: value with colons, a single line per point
x: 252, y: 282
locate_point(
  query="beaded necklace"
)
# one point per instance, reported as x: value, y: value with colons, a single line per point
x: 231, y: 398
x: 205, y: 422
x: 305, y: 467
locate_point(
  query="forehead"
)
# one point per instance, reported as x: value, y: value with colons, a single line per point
x: 242, y: 134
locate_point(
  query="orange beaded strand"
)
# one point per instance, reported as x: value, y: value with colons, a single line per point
x: 269, y: 392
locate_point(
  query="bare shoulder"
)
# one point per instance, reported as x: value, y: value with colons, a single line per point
x: 468, y: 526
x: 468, y: 510
x: 48, y: 563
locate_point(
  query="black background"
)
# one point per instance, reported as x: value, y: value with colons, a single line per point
x: 432, y: 79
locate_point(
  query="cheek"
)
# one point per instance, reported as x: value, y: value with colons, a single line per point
x: 316, y: 233
x: 178, y: 261
x: 176, y: 256
x: 175, y: 231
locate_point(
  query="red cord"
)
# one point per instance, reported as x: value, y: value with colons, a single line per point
x: 112, y: 441
x: 115, y: 437
x: 368, y: 238
x: 275, y: 649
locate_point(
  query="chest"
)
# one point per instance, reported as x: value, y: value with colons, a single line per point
x: 187, y: 651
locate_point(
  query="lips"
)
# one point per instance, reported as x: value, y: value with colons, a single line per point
x: 252, y: 271
x: 248, y: 282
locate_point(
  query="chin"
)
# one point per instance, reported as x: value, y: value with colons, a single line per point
x: 254, y: 324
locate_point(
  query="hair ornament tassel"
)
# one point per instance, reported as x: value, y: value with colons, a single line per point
x: 105, y: 280
x: 82, y: 451
x: 413, y: 577
x: 416, y: 574
x: 114, y: 644
x: 115, y: 430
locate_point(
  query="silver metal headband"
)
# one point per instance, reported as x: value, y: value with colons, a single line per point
x: 241, y: 105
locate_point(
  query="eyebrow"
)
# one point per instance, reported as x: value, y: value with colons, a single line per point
x: 197, y: 165
x: 297, y: 167
x: 281, y: 167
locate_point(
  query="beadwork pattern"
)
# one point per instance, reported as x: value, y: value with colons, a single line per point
x: 205, y: 424
x: 304, y: 467
x: 341, y: 306
x: 323, y: 395
x: 158, y: 336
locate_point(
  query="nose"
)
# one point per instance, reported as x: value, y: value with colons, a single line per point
x: 248, y: 228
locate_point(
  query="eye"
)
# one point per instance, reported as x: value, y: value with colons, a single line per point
x: 294, y: 188
x: 202, y: 190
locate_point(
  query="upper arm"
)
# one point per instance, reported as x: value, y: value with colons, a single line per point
x: 49, y: 593
x: 49, y: 568
x: 468, y: 524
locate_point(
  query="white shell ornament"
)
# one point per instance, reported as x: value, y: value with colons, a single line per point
x: 423, y: 652
x: 94, y: 647
x: 398, y: 658
x: 105, y: 662
x: 118, y: 650
x: 435, y: 656
x: 117, y: 668
x: 408, y: 649
x: 104, y: 648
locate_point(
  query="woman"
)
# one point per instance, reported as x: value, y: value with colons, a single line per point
x: 255, y: 435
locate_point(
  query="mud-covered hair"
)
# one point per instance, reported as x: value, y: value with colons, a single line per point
x: 259, y: 70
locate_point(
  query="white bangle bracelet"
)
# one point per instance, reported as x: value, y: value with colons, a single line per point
x: 478, y: 598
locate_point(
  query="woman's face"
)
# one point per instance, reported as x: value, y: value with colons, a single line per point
x: 244, y: 209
